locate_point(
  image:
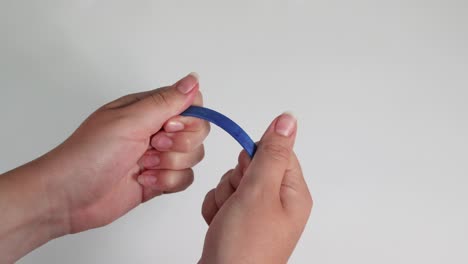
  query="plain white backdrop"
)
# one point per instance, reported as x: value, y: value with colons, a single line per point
x: 380, y: 89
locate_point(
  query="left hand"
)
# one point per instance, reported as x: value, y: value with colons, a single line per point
x: 126, y: 153
x: 258, y: 211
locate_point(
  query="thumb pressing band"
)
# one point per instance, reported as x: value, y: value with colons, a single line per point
x: 226, y: 124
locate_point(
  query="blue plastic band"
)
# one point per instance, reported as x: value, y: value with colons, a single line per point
x: 226, y: 124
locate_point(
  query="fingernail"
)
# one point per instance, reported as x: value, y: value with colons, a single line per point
x: 188, y: 83
x: 163, y: 142
x: 151, y: 161
x: 147, y: 179
x: 285, y: 124
x: 174, y: 126
x: 194, y: 74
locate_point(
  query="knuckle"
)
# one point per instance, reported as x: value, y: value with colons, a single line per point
x: 161, y: 98
x: 208, y: 200
x: 201, y: 154
x: 226, y: 175
x: 277, y: 151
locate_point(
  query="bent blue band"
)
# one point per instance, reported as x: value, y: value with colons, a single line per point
x: 226, y: 124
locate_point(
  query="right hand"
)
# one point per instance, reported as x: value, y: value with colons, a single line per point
x: 258, y: 211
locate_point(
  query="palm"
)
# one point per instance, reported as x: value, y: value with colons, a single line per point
x: 110, y: 150
x: 110, y: 183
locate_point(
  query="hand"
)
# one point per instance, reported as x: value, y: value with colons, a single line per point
x: 138, y: 138
x: 258, y: 211
x: 93, y: 177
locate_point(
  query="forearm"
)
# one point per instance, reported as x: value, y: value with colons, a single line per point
x: 29, y: 216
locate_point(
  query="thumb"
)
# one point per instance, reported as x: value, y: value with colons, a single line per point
x: 163, y: 103
x: 267, y: 169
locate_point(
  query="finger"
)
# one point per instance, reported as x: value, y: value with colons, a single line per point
x: 295, y: 195
x: 243, y: 163
x: 187, y: 123
x: 158, y: 106
x: 149, y: 193
x: 209, y: 208
x: 198, y: 99
x: 153, y: 159
x: 167, y: 181
x: 135, y: 97
x: 266, y: 171
x: 239, y: 170
x: 224, y: 190
x: 181, y: 134
x: 235, y: 177
x: 179, y: 141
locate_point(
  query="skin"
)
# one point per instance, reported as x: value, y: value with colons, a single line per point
x: 94, y: 177
x: 259, y: 209
x: 138, y: 147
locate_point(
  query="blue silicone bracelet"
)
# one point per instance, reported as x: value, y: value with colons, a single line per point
x: 226, y: 124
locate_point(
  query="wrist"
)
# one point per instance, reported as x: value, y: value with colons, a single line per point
x: 55, y: 209
x: 32, y: 217
x: 37, y: 196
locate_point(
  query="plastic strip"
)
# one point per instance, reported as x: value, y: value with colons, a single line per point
x: 226, y: 124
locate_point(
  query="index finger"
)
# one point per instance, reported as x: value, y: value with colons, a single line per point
x: 186, y: 123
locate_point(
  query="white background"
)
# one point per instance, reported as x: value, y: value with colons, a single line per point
x: 380, y: 89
